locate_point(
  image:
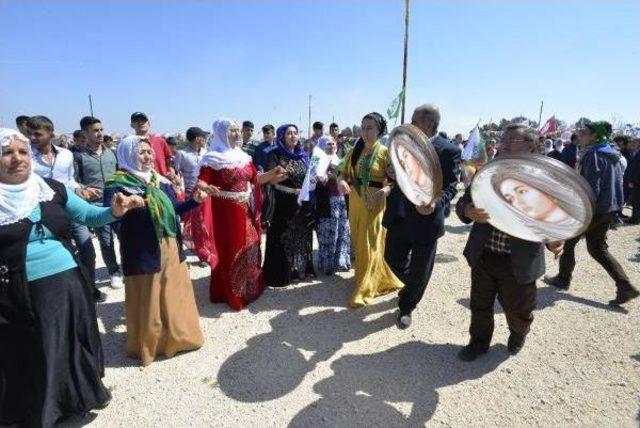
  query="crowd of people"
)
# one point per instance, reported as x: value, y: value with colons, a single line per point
x: 216, y: 196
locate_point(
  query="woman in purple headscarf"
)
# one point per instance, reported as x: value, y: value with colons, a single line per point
x: 289, y: 238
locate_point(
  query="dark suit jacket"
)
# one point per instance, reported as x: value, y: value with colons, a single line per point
x: 527, y: 258
x: 428, y: 227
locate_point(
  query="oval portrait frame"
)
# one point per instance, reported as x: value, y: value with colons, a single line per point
x: 415, y: 143
x: 568, y: 196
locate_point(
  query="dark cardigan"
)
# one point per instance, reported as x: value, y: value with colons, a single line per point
x: 139, y: 244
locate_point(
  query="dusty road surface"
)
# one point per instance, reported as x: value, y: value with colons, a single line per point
x: 298, y: 357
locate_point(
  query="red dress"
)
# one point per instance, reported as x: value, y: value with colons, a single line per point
x: 227, y: 235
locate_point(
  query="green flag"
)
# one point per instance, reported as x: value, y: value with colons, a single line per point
x: 394, y: 110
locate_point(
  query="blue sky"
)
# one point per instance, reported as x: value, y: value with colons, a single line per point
x: 186, y: 63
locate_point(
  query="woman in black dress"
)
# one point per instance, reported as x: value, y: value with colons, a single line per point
x: 289, y: 238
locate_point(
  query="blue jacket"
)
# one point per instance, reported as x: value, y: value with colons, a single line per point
x: 601, y: 167
x: 139, y: 246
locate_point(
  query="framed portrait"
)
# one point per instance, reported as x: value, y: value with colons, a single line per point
x: 534, y: 197
x: 416, y: 164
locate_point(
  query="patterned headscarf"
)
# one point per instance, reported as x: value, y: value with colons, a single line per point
x: 297, y: 153
x: 158, y: 203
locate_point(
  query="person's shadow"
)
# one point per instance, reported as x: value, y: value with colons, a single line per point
x: 275, y: 363
x: 395, y: 387
x: 549, y: 295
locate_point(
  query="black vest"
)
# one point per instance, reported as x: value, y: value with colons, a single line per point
x: 15, y: 304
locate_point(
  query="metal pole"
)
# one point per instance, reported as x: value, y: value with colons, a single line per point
x: 309, y: 128
x: 90, y: 105
x: 406, y: 54
x: 540, y: 116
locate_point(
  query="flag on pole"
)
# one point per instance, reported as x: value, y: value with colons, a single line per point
x: 476, y: 149
x: 550, y: 126
x: 394, y: 110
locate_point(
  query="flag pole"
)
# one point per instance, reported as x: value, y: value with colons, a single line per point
x: 90, y: 106
x: 540, y: 116
x: 406, y: 53
x: 309, y: 128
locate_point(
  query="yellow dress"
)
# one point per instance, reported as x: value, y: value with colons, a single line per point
x: 373, y: 276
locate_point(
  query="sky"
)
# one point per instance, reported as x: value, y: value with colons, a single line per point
x: 185, y: 63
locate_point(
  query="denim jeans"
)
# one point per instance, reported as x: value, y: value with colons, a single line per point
x: 82, y: 237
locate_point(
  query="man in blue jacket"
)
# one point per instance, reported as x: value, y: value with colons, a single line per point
x: 601, y: 167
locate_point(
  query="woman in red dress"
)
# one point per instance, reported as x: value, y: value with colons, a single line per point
x: 227, y: 234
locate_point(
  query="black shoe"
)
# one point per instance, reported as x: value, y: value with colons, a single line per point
x: 403, y: 321
x: 556, y: 281
x: 623, y: 295
x: 515, y: 343
x: 99, y: 296
x: 472, y: 351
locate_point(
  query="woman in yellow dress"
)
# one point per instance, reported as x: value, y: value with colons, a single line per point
x: 364, y: 171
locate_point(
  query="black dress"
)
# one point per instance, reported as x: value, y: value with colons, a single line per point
x: 288, y: 254
x: 51, y: 361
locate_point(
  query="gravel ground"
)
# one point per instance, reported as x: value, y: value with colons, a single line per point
x: 299, y: 357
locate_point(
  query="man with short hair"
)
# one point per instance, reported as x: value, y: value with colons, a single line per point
x: 600, y: 166
x: 262, y: 150
x: 187, y: 160
x: 79, y: 141
x: 570, y: 152
x: 502, y: 265
x: 22, y: 124
x: 413, y: 231
x: 310, y: 143
x: 248, y: 143
x: 56, y: 163
x: 93, y: 166
x: 334, y: 130
x: 161, y: 150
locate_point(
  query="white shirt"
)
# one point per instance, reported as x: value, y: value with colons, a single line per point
x: 60, y: 170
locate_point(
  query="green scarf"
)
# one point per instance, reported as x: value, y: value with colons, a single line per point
x: 158, y: 203
x: 362, y: 183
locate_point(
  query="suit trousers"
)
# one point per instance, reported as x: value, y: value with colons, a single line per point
x: 493, y: 276
x: 596, y: 237
x: 411, y: 261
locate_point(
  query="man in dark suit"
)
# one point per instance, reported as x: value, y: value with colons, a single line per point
x: 501, y: 265
x: 413, y: 231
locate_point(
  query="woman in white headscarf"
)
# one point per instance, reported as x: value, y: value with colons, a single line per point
x: 334, y: 235
x: 228, y: 233
x: 161, y: 312
x: 51, y: 361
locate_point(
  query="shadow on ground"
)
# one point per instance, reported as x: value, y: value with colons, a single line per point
x: 548, y: 296
x: 370, y: 390
x: 364, y: 387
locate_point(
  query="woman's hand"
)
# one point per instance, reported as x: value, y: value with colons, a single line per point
x: 209, y: 189
x: 199, y: 195
x: 343, y: 188
x: 426, y: 209
x: 120, y: 204
x: 556, y: 248
x: 278, y: 174
x: 376, y: 199
x: 475, y: 214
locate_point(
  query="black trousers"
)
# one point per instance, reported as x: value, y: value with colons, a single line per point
x: 411, y: 261
x: 493, y: 276
x: 634, y: 198
x: 596, y: 237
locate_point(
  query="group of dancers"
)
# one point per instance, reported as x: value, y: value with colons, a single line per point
x: 52, y: 364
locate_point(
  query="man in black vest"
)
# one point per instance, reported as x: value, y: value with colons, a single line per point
x: 501, y: 265
x: 413, y: 231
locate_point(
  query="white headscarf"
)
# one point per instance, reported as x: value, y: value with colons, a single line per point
x: 127, y: 153
x: 220, y: 154
x: 18, y: 200
x: 322, y: 145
